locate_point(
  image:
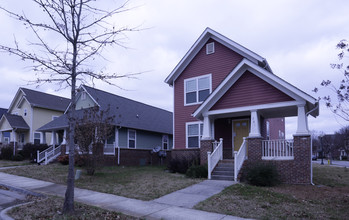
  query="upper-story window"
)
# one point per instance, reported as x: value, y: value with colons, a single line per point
x: 197, y: 89
x: 83, y: 95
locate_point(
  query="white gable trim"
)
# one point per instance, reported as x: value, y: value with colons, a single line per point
x: 199, y: 43
x: 78, y: 95
x: 12, y: 105
x: 241, y: 68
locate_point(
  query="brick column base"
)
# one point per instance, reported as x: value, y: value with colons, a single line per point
x: 205, y: 146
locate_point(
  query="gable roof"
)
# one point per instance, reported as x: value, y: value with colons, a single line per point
x: 42, y: 100
x: 128, y: 113
x: 200, y: 42
x: 2, y: 111
x: 263, y: 74
x: 16, y: 121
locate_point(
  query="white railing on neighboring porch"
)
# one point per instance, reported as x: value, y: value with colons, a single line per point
x: 277, y: 149
x: 239, y: 158
x: 214, y: 157
x: 48, y: 155
x: 109, y: 149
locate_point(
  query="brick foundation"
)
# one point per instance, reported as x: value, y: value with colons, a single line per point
x: 297, y: 171
x: 205, y: 146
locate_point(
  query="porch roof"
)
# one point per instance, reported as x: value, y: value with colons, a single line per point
x: 16, y: 121
x: 279, y: 109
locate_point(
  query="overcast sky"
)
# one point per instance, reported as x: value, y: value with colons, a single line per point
x: 297, y: 37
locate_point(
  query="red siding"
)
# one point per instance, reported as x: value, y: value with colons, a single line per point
x: 250, y: 90
x: 219, y: 64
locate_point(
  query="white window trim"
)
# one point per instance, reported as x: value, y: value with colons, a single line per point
x: 83, y: 95
x: 208, y: 46
x: 7, y: 140
x: 128, y: 138
x: 186, y: 133
x: 168, y: 146
x: 197, y: 88
x: 35, y: 138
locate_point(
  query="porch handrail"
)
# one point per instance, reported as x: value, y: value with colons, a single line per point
x: 239, y: 158
x: 109, y: 149
x: 214, y: 157
x: 48, y: 155
x: 281, y: 149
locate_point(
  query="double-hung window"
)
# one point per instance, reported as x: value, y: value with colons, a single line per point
x: 165, y: 142
x: 131, y: 139
x: 197, y: 89
x: 193, y: 133
x: 37, y: 137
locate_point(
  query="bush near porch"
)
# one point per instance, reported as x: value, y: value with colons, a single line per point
x: 328, y: 199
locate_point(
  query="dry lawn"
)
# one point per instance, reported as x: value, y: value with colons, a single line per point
x: 10, y: 163
x: 145, y: 183
x: 50, y: 208
x: 328, y: 199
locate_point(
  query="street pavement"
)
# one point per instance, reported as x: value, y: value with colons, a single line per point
x: 340, y: 163
x: 177, y: 205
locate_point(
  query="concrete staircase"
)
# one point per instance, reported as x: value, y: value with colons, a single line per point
x: 224, y: 170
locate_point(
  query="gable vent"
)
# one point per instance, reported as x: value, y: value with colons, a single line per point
x: 210, y: 48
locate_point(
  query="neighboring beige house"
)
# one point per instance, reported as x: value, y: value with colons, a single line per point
x: 29, y: 111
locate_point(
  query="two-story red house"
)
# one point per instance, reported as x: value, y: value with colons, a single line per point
x: 222, y: 90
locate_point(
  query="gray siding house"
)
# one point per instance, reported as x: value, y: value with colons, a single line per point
x: 136, y: 125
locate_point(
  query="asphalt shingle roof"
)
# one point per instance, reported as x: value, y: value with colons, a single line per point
x: 44, y: 100
x: 16, y: 121
x: 128, y: 113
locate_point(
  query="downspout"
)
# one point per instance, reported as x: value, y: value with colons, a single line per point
x: 311, y: 144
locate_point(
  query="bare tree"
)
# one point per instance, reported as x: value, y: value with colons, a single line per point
x: 82, y: 30
x: 340, y: 104
x: 92, y: 130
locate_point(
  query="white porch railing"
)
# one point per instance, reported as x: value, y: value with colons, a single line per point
x: 109, y: 149
x: 277, y: 150
x: 48, y: 155
x: 214, y: 157
x: 239, y: 158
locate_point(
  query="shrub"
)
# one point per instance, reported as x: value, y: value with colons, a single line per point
x: 181, y: 164
x: 63, y: 159
x: 197, y: 171
x: 7, y: 153
x: 262, y: 174
x: 30, y: 150
x: 17, y: 157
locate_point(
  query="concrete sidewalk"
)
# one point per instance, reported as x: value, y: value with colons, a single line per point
x: 176, y: 205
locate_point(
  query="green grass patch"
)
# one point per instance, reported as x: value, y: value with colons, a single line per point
x: 330, y: 175
x: 145, y: 183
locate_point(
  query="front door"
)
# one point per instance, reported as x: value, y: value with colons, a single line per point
x: 240, y: 130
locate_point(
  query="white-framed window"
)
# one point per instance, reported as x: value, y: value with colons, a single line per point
x: 25, y: 112
x: 210, y: 48
x: 131, y: 143
x: 165, y: 142
x: 268, y: 130
x: 197, y: 89
x: 83, y: 95
x: 193, y: 134
x: 7, y: 140
x: 37, y: 137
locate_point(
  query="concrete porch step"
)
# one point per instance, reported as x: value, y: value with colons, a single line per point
x: 222, y: 177
x: 224, y: 173
x: 224, y: 170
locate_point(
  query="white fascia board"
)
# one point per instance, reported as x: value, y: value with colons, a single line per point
x: 254, y: 107
x: 13, y: 100
x: 199, y: 43
x: 90, y: 96
x: 272, y: 79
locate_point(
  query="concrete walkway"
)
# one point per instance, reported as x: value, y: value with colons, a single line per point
x: 176, y: 205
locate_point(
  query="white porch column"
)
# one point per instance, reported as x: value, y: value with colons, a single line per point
x: 43, y: 138
x: 13, y: 136
x: 206, y: 133
x: 1, y: 137
x: 64, y: 137
x: 302, y: 123
x: 255, y: 130
x: 53, y: 138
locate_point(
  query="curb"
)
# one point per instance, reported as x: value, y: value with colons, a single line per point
x: 4, y: 216
x: 24, y: 191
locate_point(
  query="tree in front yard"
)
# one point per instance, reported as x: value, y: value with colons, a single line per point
x: 68, y: 36
x: 91, y: 133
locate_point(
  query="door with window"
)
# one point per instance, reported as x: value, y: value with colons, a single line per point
x: 240, y: 130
